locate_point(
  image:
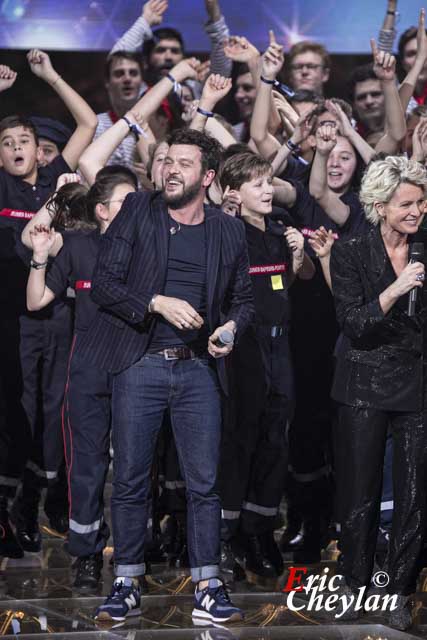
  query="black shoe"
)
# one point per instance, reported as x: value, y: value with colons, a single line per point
x: 9, y: 545
x: 88, y: 571
x: 255, y: 561
x: 59, y: 522
x: 24, y: 515
x: 271, y: 551
x: 231, y: 563
x: 401, y: 617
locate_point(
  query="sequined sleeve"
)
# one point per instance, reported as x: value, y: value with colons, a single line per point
x: 357, y: 316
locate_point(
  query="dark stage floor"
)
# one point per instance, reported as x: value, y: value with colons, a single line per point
x: 37, y: 600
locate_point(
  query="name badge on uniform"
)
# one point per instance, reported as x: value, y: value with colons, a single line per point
x: 277, y: 282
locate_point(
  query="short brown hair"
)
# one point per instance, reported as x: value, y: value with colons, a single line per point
x: 315, y: 47
x: 241, y: 168
x: 11, y: 122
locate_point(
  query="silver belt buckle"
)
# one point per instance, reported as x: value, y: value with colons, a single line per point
x: 169, y: 356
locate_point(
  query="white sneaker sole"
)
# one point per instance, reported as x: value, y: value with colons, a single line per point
x: 205, y: 615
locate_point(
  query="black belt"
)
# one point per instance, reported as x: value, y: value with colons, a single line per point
x: 177, y: 353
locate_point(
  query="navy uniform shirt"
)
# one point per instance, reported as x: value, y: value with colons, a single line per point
x: 19, y: 201
x: 73, y: 267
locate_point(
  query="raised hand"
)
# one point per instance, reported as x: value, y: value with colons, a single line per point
x: 419, y: 141
x: 295, y: 240
x: 67, y: 178
x: 42, y: 240
x: 231, y: 202
x: 273, y: 59
x: 326, y: 139
x: 213, y: 10
x: 185, y: 69
x: 153, y: 11
x: 303, y: 126
x: 7, y: 77
x: 422, y: 38
x: 239, y: 49
x: 384, y: 64
x: 345, y: 126
x: 188, y: 114
x: 41, y: 66
x: 214, y: 90
x: 321, y: 242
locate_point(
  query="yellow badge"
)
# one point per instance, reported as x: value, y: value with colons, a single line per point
x: 277, y: 282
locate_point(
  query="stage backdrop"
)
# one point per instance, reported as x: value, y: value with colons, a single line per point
x: 343, y: 27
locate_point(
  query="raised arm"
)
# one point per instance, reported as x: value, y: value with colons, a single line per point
x: 348, y: 131
x: 331, y: 203
x: 45, y: 215
x: 409, y: 83
x: 218, y: 33
x: 395, y: 121
x: 85, y: 118
x: 419, y: 142
x: 215, y: 89
x: 42, y: 242
x: 97, y: 154
x: 7, y: 77
x: 272, y: 62
x: 300, y: 133
x: 387, y: 33
x: 134, y: 38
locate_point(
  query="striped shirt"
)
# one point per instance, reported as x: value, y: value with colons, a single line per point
x: 125, y: 152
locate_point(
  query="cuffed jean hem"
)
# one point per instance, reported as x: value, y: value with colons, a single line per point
x: 129, y: 570
x: 204, y: 573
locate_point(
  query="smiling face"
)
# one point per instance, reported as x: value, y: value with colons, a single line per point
x: 245, y: 95
x: 341, y: 166
x: 257, y: 195
x: 183, y: 177
x: 18, y: 152
x: 404, y: 212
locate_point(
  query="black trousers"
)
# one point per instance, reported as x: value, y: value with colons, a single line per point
x: 361, y: 439
x: 34, y: 358
x: 254, y: 441
x: 87, y: 423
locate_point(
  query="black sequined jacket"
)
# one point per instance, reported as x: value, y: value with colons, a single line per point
x: 380, y: 360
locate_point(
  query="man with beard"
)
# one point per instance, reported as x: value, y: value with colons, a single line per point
x: 368, y: 102
x: 171, y: 279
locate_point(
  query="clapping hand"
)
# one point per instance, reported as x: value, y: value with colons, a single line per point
x: 321, y: 242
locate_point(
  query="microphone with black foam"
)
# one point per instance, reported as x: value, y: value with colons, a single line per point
x: 416, y: 254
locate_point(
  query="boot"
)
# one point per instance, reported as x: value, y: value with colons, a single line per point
x: 401, y: 617
x: 24, y: 514
x: 256, y: 563
x: 271, y: 551
x: 88, y: 571
x: 9, y: 545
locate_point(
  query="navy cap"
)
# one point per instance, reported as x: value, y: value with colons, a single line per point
x: 52, y: 130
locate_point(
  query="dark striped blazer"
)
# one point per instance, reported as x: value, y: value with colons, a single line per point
x: 132, y: 267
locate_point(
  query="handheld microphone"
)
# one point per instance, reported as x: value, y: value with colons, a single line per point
x: 225, y: 338
x: 416, y: 254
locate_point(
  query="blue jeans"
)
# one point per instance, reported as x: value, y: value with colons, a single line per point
x: 141, y: 394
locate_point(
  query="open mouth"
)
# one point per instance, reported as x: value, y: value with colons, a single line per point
x: 19, y: 161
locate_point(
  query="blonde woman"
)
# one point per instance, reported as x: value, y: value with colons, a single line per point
x: 379, y: 379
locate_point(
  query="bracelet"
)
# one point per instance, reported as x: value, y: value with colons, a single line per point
x: 283, y: 88
x: 391, y: 13
x: 38, y: 265
x: 56, y: 80
x: 295, y: 148
x: 135, y: 129
x: 208, y: 114
x: 266, y: 80
x: 177, y: 87
x: 150, y: 304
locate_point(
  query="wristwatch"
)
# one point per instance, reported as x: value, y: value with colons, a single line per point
x: 38, y: 265
x: 135, y: 129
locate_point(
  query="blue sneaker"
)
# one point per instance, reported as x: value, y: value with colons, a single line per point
x: 213, y: 603
x: 124, y: 600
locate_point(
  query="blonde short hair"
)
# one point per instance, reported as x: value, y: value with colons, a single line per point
x: 382, y: 178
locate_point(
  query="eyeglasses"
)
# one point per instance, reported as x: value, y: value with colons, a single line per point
x: 362, y: 96
x: 309, y: 65
x: 161, y: 49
